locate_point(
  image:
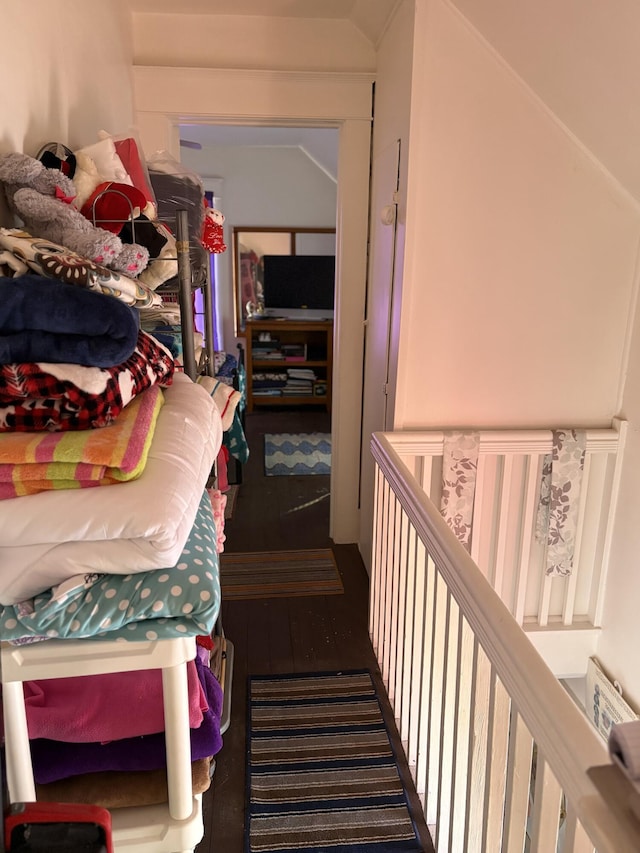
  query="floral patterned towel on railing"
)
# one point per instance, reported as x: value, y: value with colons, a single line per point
x: 459, y: 468
x: 560, y: 499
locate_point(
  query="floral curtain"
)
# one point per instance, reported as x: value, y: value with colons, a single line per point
x: 459, y: 468
x: 559, y: 502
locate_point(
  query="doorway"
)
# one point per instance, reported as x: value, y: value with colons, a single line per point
x: 168, y: 97
x: 277, y: 188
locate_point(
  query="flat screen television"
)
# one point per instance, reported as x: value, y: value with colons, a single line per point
x: 294, y: 282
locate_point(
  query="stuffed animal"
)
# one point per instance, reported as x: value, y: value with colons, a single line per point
x: 42, y: 198
x: 212, y: 237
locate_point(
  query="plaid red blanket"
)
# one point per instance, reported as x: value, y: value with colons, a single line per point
x: 39, y: 396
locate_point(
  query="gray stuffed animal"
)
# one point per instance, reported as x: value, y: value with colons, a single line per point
x: 41, y: 198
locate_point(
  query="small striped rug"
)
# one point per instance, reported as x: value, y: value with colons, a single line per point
x: 322, y: 775
x: 279, y: 574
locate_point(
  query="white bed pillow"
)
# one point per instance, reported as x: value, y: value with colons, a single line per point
x: 109, y: 165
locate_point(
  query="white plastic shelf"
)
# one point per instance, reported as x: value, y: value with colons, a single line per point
x: 172, y: 828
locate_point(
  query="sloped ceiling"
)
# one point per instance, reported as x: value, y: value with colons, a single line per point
x: 319, y: 144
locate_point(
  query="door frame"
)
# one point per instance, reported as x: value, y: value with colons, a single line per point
x: 166, y: 97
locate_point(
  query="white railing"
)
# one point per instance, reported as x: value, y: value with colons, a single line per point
x: 562, y: 614
x: 500, y: 754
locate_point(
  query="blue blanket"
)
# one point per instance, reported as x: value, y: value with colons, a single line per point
x: 44, y: 320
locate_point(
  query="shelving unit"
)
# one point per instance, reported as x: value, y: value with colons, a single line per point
x: 171, y: 828
x: 311, y: 340
x: 176, y: 826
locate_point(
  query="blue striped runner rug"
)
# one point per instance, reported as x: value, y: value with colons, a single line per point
x: 287, y: 453
x: 322, y: 775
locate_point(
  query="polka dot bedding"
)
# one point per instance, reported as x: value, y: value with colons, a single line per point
x: 161, y: 604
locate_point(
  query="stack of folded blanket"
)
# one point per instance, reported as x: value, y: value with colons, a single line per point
x: 72, y: 359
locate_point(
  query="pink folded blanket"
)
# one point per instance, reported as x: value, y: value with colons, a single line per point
x: 36, y: 462
x: 91, y: 708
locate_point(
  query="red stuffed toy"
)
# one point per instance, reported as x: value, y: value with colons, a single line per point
x: 212, y: 234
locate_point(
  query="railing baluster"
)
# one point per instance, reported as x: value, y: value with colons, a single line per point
x: 374, y: 582
x: 391, y: 588
x: 478, y: 512
x: 478, y: 735
x: 497, y: 763
x: 395, y: 678
x: 420, y: 629
x: 518, y: 783
x: 407, y: 670
x: 387, y: 556
x: 572, y: 580
x: 433, y: 732
x: 461, y: 750
x: 596, y: 608
x: 422, y: 765
x: 503, y: 525
x: 545, y: 600
x: 545, y: 815
x: 531, y: 493
x: 448, y: 736
x: 574, y: 837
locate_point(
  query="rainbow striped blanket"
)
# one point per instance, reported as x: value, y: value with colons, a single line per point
x: 32, y: 462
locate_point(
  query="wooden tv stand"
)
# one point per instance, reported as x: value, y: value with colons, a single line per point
x: 306, y: 345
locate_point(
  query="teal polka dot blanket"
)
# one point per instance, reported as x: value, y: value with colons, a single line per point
x: 180, y: 601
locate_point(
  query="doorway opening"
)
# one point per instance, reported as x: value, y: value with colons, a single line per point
x: 268, y: 180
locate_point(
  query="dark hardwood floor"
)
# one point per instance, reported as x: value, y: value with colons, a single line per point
x: 281, y: 635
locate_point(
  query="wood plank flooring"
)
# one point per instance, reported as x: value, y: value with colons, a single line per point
x: 282, y: 635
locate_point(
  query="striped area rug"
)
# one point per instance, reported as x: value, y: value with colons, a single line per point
x: 287, y: 453
x: 321, y: 772
x: 279, y: 574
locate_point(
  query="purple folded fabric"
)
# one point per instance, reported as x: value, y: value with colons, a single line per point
x: 53, y: 760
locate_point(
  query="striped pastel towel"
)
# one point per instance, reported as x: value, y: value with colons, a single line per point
x: 32, y: 462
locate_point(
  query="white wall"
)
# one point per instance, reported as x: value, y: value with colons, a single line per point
x: 250, y: 42
x: 583, y: 61
x: 520, y: 248
x: 66, y: 72
x: 586, y: 68
x: 262, y: 187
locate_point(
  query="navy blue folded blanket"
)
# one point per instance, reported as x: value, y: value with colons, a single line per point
x: 42, y: 319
